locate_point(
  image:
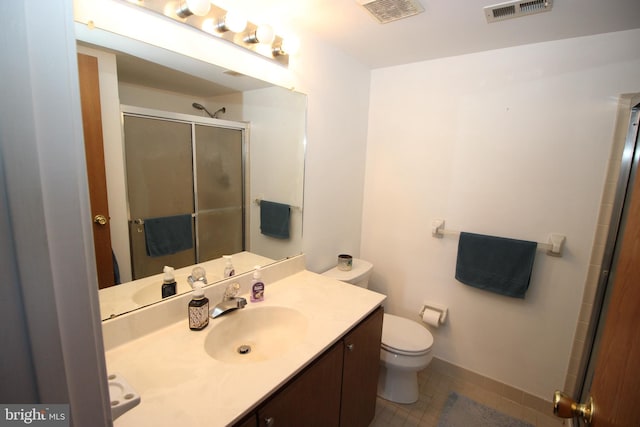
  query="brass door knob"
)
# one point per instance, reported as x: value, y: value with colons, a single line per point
x: 100, y: 219
x: 565, y: 407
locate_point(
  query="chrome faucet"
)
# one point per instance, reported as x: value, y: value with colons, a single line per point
x: 230, y: 301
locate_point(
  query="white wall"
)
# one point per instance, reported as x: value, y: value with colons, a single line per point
x: 49, y: 243
x: 338, y: 89
x: 513, y: 143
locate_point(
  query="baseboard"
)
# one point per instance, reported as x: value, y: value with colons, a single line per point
x: 508, y: 392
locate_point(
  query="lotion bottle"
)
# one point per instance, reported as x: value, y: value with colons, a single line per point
x: 228, y: 267
x: 169, y: 282
x: 198, y: 308
x: 257, y: 286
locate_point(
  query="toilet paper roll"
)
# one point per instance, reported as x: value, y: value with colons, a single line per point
x: 431, y: 317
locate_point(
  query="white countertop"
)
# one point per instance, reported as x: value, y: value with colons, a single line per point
x: 181, y: 385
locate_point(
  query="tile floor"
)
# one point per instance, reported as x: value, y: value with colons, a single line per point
x: 435, y: 386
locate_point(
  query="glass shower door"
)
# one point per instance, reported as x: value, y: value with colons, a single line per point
x: 159, y: 172
x: 219, y: 191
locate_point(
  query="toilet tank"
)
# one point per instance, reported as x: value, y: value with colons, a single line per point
x: 358, y: 275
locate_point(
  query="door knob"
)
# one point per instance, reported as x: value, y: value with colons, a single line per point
x: 565, y: 407
x: 100, y: 219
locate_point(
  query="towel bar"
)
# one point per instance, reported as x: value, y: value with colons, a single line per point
x: 554, y: 245
x: 257, y: 202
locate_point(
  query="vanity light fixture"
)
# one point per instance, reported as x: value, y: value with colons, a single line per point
x: 187, y: 8
x: 224, y: 24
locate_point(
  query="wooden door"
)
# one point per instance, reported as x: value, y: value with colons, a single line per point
x: 616, y: 381
x: 613, y: 377
x: 94, y: 151
x: 360, y: 372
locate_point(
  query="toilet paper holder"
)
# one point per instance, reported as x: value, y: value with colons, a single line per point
x: 440, y: 309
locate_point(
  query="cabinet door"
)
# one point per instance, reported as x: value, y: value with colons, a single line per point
x: 360, y: 372
x: 312, y: 399
x: 250, y: 421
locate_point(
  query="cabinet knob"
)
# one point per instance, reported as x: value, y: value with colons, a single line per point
x: 350, y: 347
x: 269, y: 422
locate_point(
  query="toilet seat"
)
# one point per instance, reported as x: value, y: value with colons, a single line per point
x: 404, y: 336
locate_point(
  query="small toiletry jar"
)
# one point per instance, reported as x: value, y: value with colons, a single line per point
x: 345, y: 262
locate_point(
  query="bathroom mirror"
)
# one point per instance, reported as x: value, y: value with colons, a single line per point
x: 150, y: 78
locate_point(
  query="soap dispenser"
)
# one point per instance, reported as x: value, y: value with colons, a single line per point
x: 228, y: 267
x: 198, y: 274
x: 169, y: 282
x: 198, y: 308
x: 257, y: 286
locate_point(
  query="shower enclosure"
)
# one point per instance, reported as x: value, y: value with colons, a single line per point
x: 180, y: 165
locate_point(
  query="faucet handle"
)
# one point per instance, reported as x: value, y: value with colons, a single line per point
x: 231, y: 291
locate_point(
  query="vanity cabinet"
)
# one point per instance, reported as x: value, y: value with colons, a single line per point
x: 247, y: 422
x: 338, y: 389
x: 360, y: 371
x: 312, y: 399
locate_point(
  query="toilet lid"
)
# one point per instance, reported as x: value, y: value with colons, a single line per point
x: 404, y: 336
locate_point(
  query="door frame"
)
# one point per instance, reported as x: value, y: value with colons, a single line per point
x: 628, y: 169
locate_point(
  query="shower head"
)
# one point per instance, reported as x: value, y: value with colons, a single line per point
x: 201, y: 107
x: 221, y: 110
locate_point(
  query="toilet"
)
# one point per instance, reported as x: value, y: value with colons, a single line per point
x: 405, y: 348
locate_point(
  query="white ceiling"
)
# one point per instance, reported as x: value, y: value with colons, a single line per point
x: 445, y: 28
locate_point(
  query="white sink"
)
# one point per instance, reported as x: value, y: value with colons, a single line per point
x: 255, y: 334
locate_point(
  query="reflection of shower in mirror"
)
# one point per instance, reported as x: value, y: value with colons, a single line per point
x: 214, y: 115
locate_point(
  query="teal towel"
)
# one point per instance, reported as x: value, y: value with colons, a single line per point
x: 495, y: 264
x: 274, y: 219
x: 168, y: 235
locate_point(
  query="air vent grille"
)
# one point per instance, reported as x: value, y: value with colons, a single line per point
x: 516, y: 9
x: 391, y: 10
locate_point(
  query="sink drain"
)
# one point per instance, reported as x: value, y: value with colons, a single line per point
x: 244, y: 349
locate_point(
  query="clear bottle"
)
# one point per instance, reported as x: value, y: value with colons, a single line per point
x: 228, y: 267
x: 198, y: 274
x: 169, y: 284
x: 257, y: 286
x: 198, y: 308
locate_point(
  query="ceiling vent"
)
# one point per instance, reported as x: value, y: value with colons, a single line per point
x: 516, y: 9
x: 391, y: 10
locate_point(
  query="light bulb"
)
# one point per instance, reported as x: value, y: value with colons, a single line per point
x: 235, y: 22
x: 290, y: 45
x: 193, y: 7
x: 265, y: 34
x: 209, y: 26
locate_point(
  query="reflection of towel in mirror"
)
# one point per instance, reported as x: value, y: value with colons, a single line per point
x: 168, y: 235
x: 495, y: 264
x: 274, y: 219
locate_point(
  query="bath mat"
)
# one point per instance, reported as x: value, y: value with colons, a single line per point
x: 460, y: 411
